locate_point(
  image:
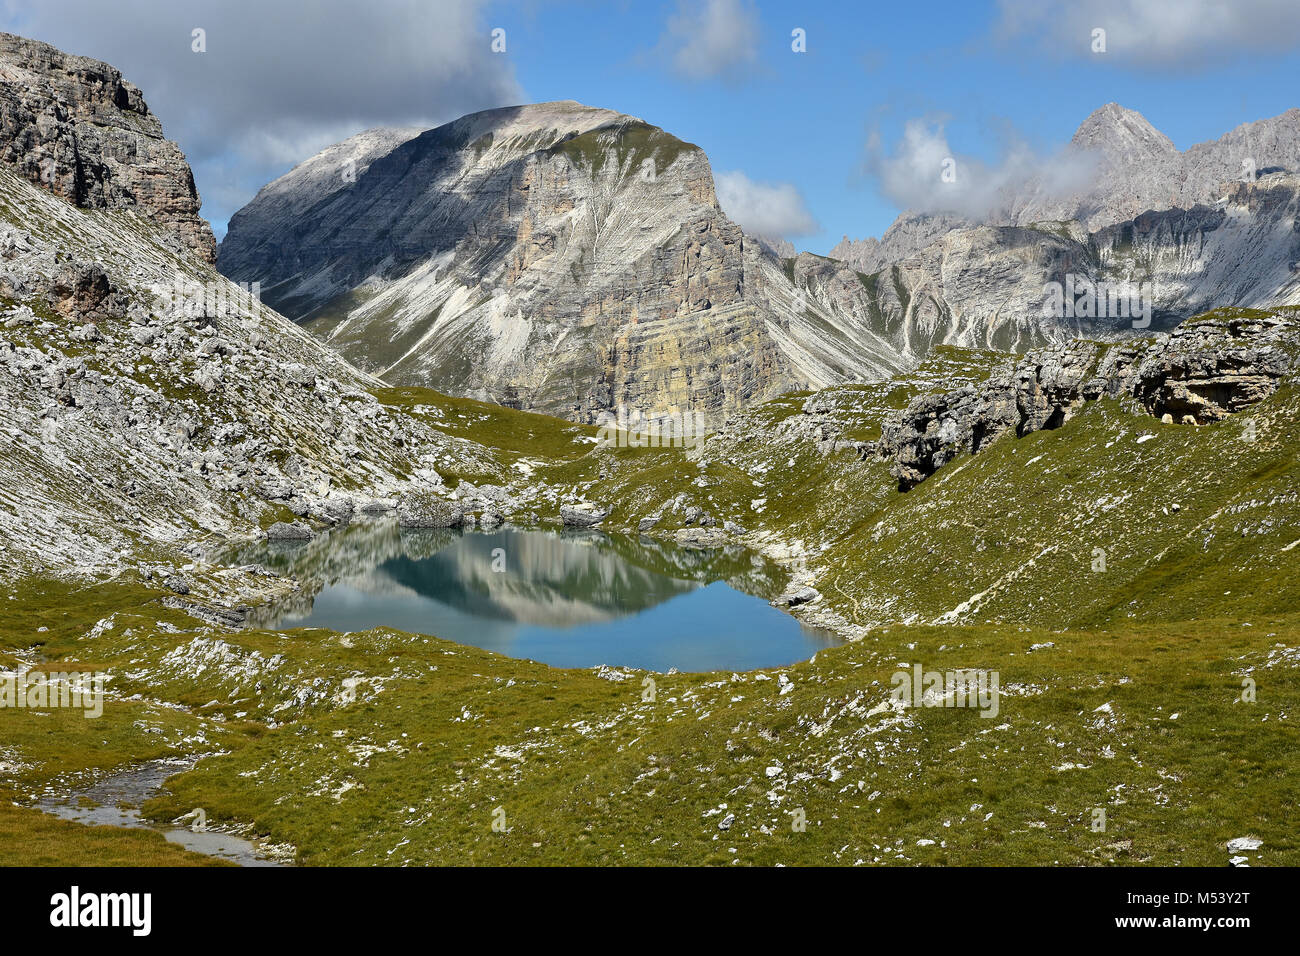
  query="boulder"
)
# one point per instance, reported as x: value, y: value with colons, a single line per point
x: 423, y: 509
x: 289, y: 531
x: 797, y: 596
x: 82, y: 292
x: 582, y: 516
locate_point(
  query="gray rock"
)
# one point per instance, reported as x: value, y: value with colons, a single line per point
x: 1204, y: 371
x: 718, y: 294
x: 335, y: 510
x: 1239, y: 844
x: 285, y: 531
x: 75, y: 127
x: 300, y: 374
x: 177, y: 583
x: 583, y: 516
x: 423, y: 509
x: 796, y: 597
x: 1194, y: 220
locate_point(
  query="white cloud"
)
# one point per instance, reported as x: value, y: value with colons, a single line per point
x: 713, y: 38
x: 924, y: 173
x: 767, y: 210
x: 280, y: 81
x: 1185, y: 33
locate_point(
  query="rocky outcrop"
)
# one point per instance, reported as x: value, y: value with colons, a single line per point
x: 910, y: 233
x: 289, y: 531
x: 1127, y: 167
x: 75, y: 127
x: 82, y: 292
x: 553, y: 257
x: 1201, y: 373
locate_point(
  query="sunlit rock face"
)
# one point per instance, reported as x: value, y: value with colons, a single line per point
x: 554, y: 257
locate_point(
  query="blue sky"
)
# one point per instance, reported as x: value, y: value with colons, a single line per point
x: 278, y: 81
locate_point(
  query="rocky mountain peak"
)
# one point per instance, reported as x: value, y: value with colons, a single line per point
x: 554, y: 257
x: 1122, y: 134
x: 556, y: 120
x: 324, y: 174
x: 77, y: 128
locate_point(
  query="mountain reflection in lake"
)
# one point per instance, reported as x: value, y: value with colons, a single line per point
x: 569, y: 599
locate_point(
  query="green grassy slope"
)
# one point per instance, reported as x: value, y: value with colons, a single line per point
x: 1122, y: 688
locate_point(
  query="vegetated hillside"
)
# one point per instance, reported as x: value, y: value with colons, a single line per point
x: 1011, y: 534
x: 1138, y: 715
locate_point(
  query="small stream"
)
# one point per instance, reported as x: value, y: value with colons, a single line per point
x: 116, y: 801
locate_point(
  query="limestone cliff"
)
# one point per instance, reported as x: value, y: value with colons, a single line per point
x: 554, y: 257
x: 75, y: 127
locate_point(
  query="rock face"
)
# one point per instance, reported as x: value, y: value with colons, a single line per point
x: 75, y: 127
x: 1136, y: 169
x: 289, y: 531
x: 1201, y: 373
x: 554, y: 257
x: 82, y: 292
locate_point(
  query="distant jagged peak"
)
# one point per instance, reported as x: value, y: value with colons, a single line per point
x: 1122, y: 133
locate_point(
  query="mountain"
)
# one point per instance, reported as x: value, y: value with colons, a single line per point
x: 75, y: 127
x: 1136, y: 169
x: 554, y: 257
x: 1192, y: 230
x: 1111, y: 530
